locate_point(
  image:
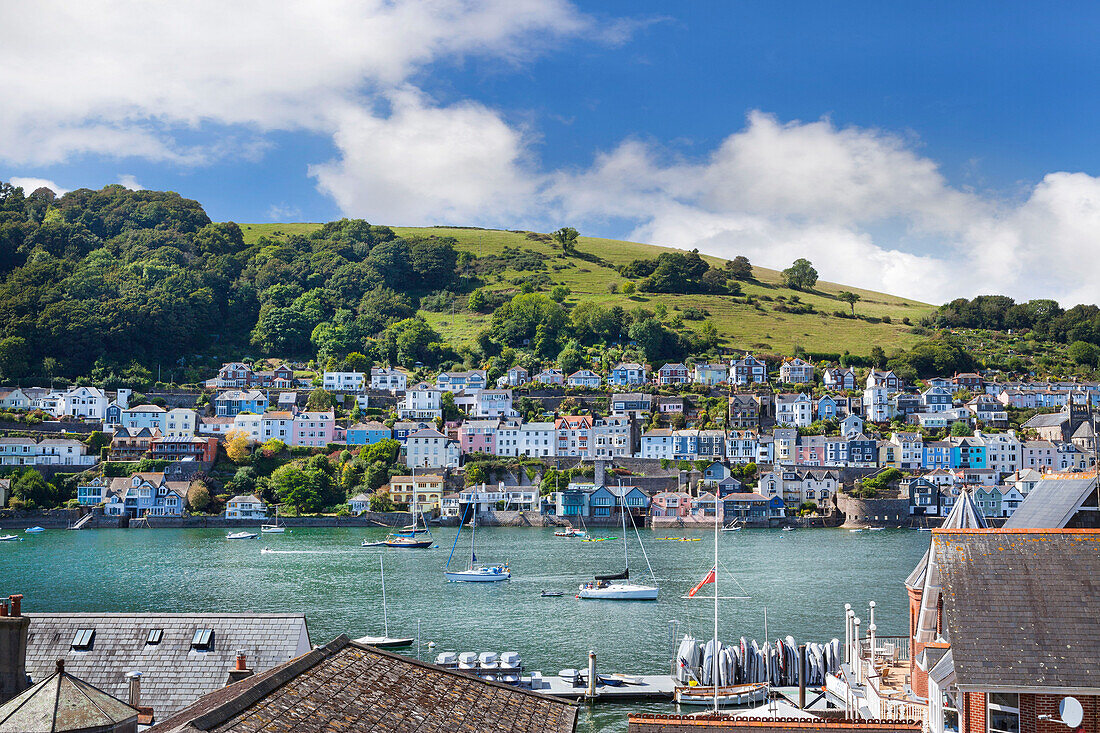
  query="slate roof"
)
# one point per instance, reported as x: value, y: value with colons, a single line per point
x: 1020, y: 608
x: 347, y: 686
x: 63, y: 703
x: 173, y: 675
x: 965, y: 514
x: 1052, y: 503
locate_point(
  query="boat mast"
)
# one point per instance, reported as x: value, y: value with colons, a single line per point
x: 714, y: 672
x: 473, y: 531
x: 385, y: 615
x: 622, y: 503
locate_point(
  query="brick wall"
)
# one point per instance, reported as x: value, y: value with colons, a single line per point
x: 974, y: 713
x: 1032, y: 706
x: 918, y: 677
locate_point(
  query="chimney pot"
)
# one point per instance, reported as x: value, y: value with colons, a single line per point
x: 133, y: 680
x: 16, y: 604
x: 60, y: 666
x: 241, y: 660
x: 3, y: 608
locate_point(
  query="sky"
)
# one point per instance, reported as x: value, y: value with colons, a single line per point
x: 932, y: 150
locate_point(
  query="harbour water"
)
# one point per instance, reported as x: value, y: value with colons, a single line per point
x: 804, y: 578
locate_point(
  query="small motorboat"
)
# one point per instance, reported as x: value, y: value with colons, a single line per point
x: 479, y: 574
x: 11, y: 538
x: 552, y: 593
x: 855, y: 530
x: 788, y: 529
x: 34, y: 530
x: 877, y: 529
x: 241, y: 536
x: 571, y: 532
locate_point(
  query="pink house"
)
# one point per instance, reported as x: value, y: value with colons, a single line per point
x: 314, y: 429
x: 670, y: 504
x: 810, y: 451
x: 478, y: 436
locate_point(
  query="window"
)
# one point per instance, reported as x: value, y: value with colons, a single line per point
x: 1003, y: 713
x: 83, y: 639
x: 155, y: 636
x: 203, y: 640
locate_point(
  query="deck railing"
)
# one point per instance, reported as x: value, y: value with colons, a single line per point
x: 892, y: 648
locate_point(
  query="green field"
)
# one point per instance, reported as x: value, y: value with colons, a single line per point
x: 743, y: 326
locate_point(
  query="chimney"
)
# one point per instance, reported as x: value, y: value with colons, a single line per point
x: 240, y: 669
x: 133, y: 682
x: 13, y: 648
x: 600, y: 472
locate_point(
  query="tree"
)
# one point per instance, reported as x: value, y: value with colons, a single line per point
x: 320, y: 400
x: 478, y: 301
x: 198, y: 496
x: 294, y: 486
x: 878, y: 357
x: 237, y: 445
x: 571, y: 359
x: 13, y: 357
x: 961, y: 429
x: 559, y: 293
x: 801, y: 275
x: 356, y: 362
x: 96, y: 441
x: 740, y: 268
x: 1083, y: 353
x: 449, y: 408
x: 32, y: 490
x: 380, y: 501
x: 850, y: 298
x: 628, y: 288
x: 567, y: 238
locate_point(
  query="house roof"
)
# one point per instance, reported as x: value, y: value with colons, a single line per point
x: 173, y: 675
x: 252, y: 498
x: 1053, y: 501
x: 360, y: 688
x: 63, y: 703
x: 965, y: 514
x: 1020, y: 607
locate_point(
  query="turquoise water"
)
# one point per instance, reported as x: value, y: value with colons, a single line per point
x: 804, y: 578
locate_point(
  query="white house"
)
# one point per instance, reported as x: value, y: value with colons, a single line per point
x: 89, y: 403
x: 876, y: 404
x: 493, y: 403
x: 388, y: 380
x: 344, y: 381
x: 537, y: 439
x: 422, y: 401
x: 584, y: 378
x: 46, y: 452
x: 245, y: 507
x: 431, y: 449
x: 359, y: 503
x: 794, y: 409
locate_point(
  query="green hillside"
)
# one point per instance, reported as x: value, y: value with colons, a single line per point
x: 760, y: 324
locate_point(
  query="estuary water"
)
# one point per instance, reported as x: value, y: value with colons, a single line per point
x: 803, y: 578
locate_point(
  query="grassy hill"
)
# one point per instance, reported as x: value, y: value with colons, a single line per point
x: 755, y: 325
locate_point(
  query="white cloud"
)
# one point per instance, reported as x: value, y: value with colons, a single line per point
x: 137, y: 74
x: 30, y: 185
x: 129, y: 181
x: 283, y: 212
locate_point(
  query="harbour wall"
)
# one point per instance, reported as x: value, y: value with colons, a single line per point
x: 873, y: 512
x: 62, y: 518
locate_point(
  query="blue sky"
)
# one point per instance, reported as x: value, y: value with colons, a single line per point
x: 932, y: 150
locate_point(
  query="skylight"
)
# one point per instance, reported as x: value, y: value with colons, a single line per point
x: 203, y: 640
x: 154, y: 636
x: 83, y: 639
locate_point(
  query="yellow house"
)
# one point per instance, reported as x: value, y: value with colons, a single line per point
x: 427, y: 489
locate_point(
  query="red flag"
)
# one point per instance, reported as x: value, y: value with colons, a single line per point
x: 708, y: 579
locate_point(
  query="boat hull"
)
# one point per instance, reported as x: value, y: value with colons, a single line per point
x: 728, y: 696
x: 476, y: 576
x: 618, y: 592
x: 412, y: 545
x: 273, y: 530
x: 384, y: 642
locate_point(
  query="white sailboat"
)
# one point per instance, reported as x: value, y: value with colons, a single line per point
x: 387, y: 641
x: 275, y: 528
x: 618, y: 587
x: 474, y: 572
x: 718, y: 694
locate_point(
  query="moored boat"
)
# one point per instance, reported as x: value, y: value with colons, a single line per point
x: 10, y: 538
x: 611, y: 587
x: 241, y: 536
x: 275, y: 528
x: 726, y: 696
x: 34, y: 530
x: 474, y: 572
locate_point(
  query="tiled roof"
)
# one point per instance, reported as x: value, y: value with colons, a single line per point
x: 173, y: 675
x: 1020, y: 607
x: 1052, y: 502
x: 347, y: 686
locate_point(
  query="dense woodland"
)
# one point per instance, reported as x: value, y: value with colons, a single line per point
x: 111, y: 285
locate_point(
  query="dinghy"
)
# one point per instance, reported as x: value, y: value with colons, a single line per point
x: 11, y: 538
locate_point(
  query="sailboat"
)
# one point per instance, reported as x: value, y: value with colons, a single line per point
x: 411, y: 537
x: 274, y: 528
x: 718, y: 694
x: 474, y: 572
x: 384, y: 642
x: 616, y: 587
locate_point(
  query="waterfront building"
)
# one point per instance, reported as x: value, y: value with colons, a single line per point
x: 89, y: 403
x: 425, y: 489
x: 876, y: 404
x: 744, y: 411
x: 478, y: 436
x: 751, y: 507
x: 613, y: 437
x: 1056, y: 501
x: 184, y: 448
x: 742, y: 446
x: 403, y: 429
x: 573, y: 435
x: 551, y: 376
x: 344, y: 381
x: 488, y: 498
x: 657, y: 443
x: 670, y: 504
x: 238, y: 375
x: 215, y: 425
x: 145, y: 494
x: 936, y: 399
x: 490, y: 403
x: 246, y: 507
x: 839, y: 378
x: 367, y: 433
x: 359, y: 503
x: 132, y: 445
x: 786, y: 444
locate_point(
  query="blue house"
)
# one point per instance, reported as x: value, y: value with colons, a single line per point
x: 402, y: 430
x: 716, y: 472
x: 367, y: 433
x: 968, y: 453
x: 234, y: 401
x: 685, y: 445
x: 827, y: 408
x: 937, y: 454
x: 605, y: 502
x: 627, y: 374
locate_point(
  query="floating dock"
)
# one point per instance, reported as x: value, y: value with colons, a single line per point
x: 650, y: 687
